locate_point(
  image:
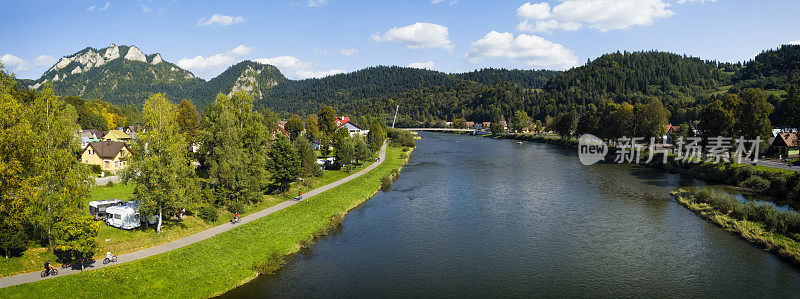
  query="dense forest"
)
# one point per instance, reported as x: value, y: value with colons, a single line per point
x: 683, y: 84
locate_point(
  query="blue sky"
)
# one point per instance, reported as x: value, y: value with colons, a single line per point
x: 320, y: 37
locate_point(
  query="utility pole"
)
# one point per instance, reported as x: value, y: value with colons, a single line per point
x: 395, y: 116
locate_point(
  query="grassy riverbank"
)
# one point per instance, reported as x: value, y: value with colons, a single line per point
x: 774, y: 230
x: 213, y: 266
x: 124, y: 241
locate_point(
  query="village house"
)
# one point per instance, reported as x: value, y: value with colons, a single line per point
x: 116, y: 135
x: 112, y: 156
x: 355, y: 130
x: 786, y: 145
x: 89, y: 135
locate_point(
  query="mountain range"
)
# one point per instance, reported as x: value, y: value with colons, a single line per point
x: 124, y: 75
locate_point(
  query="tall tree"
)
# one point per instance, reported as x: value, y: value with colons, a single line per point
x: 376, y: 136
x: 62, y: 180
x: 294, y: 126
x: 312, y: 128
x: 520, y: 121
x: 159, y: 165
x: 233, y: 151
x: 622, y: 121
x: 717, y: 120
x: 652, y: 120
x: 284, y: 163
x: 76, y: 239
x: 308, y: 160
x: 326, y: 120
x: 17, y: 168
x: 566, y: 123
x: 753, y: 116
x: 188, y: 121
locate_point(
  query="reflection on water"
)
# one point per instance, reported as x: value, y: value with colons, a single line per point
x: 482, y: 217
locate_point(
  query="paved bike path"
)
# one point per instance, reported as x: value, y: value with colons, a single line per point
x: 132, y: 256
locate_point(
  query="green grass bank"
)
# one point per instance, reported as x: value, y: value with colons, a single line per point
x: 774, y: 230
x: 216, y: 265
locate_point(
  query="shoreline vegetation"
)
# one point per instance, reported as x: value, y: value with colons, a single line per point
x: 773, y: 182
x: 763, y: 224
x: 232, y: 258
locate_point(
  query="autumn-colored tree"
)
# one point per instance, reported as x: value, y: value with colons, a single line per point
x: 188, y: 121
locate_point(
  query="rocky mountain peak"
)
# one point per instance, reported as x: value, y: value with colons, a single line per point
x: 112, y: 52
x: 156, y: 59
x: 135, y: 54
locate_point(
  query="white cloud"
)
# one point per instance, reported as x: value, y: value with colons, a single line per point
x: 241, y: 50
x: 539, y: 11
x: 146, y: 9
x: 417, y: 36
x: 306, y: 74
x: 91, y: 8
x: 286, y: 63
x: 436, y: 1
x: 348, y: 52
x: 701, y: 1
x: 205, y: 66
x: 44, y: 60
x: 794, y: 42
x: 297, y: 68
x: 603, y: 15
x: 422, y: 65
x: 315, y: 3
x: 530, y: 50
x: 105, y: 6
x: 220, y: 20
x: 14, y: 63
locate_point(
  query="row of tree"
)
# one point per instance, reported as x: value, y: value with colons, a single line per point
x: 42, y: 184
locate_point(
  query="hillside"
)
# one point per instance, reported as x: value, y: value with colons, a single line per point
x: 247, y: 75
x: 121, y: 75
x: 772, y: 69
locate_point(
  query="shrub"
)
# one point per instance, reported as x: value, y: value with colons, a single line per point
x: 273, y: 263
x: 209, y: 212
x: 95, y: 169
x: 755, y: 182
x: 236, y: 207
x: 386, y: 183
x: 110, y: 184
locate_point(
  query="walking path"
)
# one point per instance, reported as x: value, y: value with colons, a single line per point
x: 35, y: 276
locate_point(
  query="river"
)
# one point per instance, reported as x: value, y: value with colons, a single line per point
x: 474, y: 217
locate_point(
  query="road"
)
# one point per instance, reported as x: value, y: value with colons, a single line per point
x: 35, y: 276
x: 774, y: 164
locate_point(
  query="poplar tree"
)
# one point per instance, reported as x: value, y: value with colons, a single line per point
x: 160, y: 166
x: 284, y: 163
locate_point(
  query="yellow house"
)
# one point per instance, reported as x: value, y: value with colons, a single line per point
x: 116, y: 135
x: 112, y: 156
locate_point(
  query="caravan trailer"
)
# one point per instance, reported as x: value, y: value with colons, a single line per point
x: 98, y: 208
x: 123, y: 217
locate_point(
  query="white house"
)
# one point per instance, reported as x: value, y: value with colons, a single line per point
x: 354, y: 129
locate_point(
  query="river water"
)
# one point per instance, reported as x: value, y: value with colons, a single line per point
x: 474, y: 217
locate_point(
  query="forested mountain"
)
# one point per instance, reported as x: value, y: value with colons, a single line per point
x: 122, y: 75
x: 660, y: 74
x: 772, y: 69
x: 525, y: 78
x: 246, y: 75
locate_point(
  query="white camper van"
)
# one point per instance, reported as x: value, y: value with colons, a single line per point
x: 98, y: 208
x: 123, y: 217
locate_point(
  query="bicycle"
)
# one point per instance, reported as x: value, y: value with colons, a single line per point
x: 113, y: 259
x: 53, y: 272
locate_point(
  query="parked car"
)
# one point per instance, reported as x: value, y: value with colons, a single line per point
x: 98, y: 208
